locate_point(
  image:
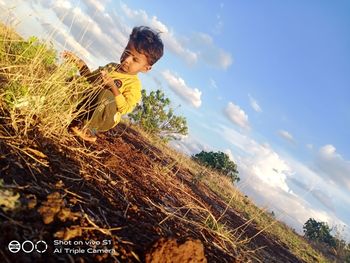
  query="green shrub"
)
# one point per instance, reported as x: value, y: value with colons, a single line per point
x: 27, y: 51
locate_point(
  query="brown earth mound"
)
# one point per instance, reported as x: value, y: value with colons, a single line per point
x: 170, y: 251
x: 116, y: 199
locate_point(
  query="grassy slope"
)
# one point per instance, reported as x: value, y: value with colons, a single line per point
x: 129, y: 188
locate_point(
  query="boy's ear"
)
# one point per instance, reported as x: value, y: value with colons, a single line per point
x: 147, y: 68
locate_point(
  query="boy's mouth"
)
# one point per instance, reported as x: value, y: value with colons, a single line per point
x: 124, y: 67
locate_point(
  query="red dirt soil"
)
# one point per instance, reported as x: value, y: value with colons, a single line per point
x: 168, y: 251
x: 139, y: 203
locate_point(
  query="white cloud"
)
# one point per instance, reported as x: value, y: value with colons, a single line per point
x: 294, y: 210
x: 254, y: 104
x: 189, y: 145
x: 63, y: 37
x: 230, y: 155
x: 323, y: 198
x: 309, y: 146
x: 175, y: 46
x: 87, y: 23
x: 330, y: 196
x: 265, y: 175
x: 312, y: 179
x: 213, y: 83
x: 98, y: 5
x: 178, y: 85
x: 219, y: 25
x: 235, y: 114
x: 142, y: 18
x: 98, y: 33
x: 268, y: 167
x: 63, y: 4
x: 258, y: 160
x: 333, y: 166
x: 210, y: 53
x: 321, y: 195
x: 328, y: 151
x: 286, y: 135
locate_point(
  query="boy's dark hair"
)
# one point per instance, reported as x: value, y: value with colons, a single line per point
x: 147, y: 42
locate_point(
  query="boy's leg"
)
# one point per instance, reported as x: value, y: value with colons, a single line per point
x: 102, y: 118
x: 86, y: 107
x: 84, y: 134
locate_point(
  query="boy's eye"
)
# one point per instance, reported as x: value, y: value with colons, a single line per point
x: 127, y: 53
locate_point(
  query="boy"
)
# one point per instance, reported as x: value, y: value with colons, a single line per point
x: 122, y: 86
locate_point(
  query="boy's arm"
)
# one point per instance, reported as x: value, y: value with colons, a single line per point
x: 82, y: 67
x: 125, y: 101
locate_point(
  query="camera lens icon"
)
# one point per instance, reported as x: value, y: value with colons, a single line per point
x: 41, y: 246
x: 14, y: 246
x: 27, y: 246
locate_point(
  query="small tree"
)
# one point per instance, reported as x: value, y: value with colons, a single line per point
x: 156, y: 116
x: 319, y: 232
x: 219, y: 161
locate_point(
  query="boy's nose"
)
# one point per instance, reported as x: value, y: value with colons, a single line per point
x: 128, y: 59
x: 124, y: 56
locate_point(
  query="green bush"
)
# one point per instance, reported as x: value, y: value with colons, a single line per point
x: 156, y: 116
x: 319, y: 232
x: 218, y: 161
x: 27, y: 51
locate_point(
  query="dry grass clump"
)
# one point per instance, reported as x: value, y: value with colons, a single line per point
x: 35, y: 92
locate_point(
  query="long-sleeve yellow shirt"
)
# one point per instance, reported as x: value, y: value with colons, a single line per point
x: 130, y: 92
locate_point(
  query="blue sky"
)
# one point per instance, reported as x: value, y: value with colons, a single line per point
x: 266, y: 82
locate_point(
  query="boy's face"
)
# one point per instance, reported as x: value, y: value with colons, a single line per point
x: 133, y: 62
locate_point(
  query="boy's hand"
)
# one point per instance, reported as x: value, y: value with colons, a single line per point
x: 107, y: 80
x: 70, y: 56
x: 82, y: 67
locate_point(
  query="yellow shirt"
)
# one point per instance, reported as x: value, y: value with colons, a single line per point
x: 130, y: 92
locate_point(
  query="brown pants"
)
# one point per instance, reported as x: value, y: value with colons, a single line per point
x: 102, y: 117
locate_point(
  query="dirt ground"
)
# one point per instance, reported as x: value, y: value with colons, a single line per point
x: 122, y: 200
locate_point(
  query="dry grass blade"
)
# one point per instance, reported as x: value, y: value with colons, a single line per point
x: 225, y: 239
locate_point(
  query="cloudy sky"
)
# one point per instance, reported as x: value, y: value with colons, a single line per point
x: 266, y: 82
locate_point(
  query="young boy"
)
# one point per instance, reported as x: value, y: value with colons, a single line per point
x: 122, y: 86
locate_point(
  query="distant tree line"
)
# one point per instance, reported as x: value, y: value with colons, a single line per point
x: 220, y: 162
x: 320, y: 233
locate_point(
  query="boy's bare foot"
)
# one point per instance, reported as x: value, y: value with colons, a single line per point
x: 84, y: 134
